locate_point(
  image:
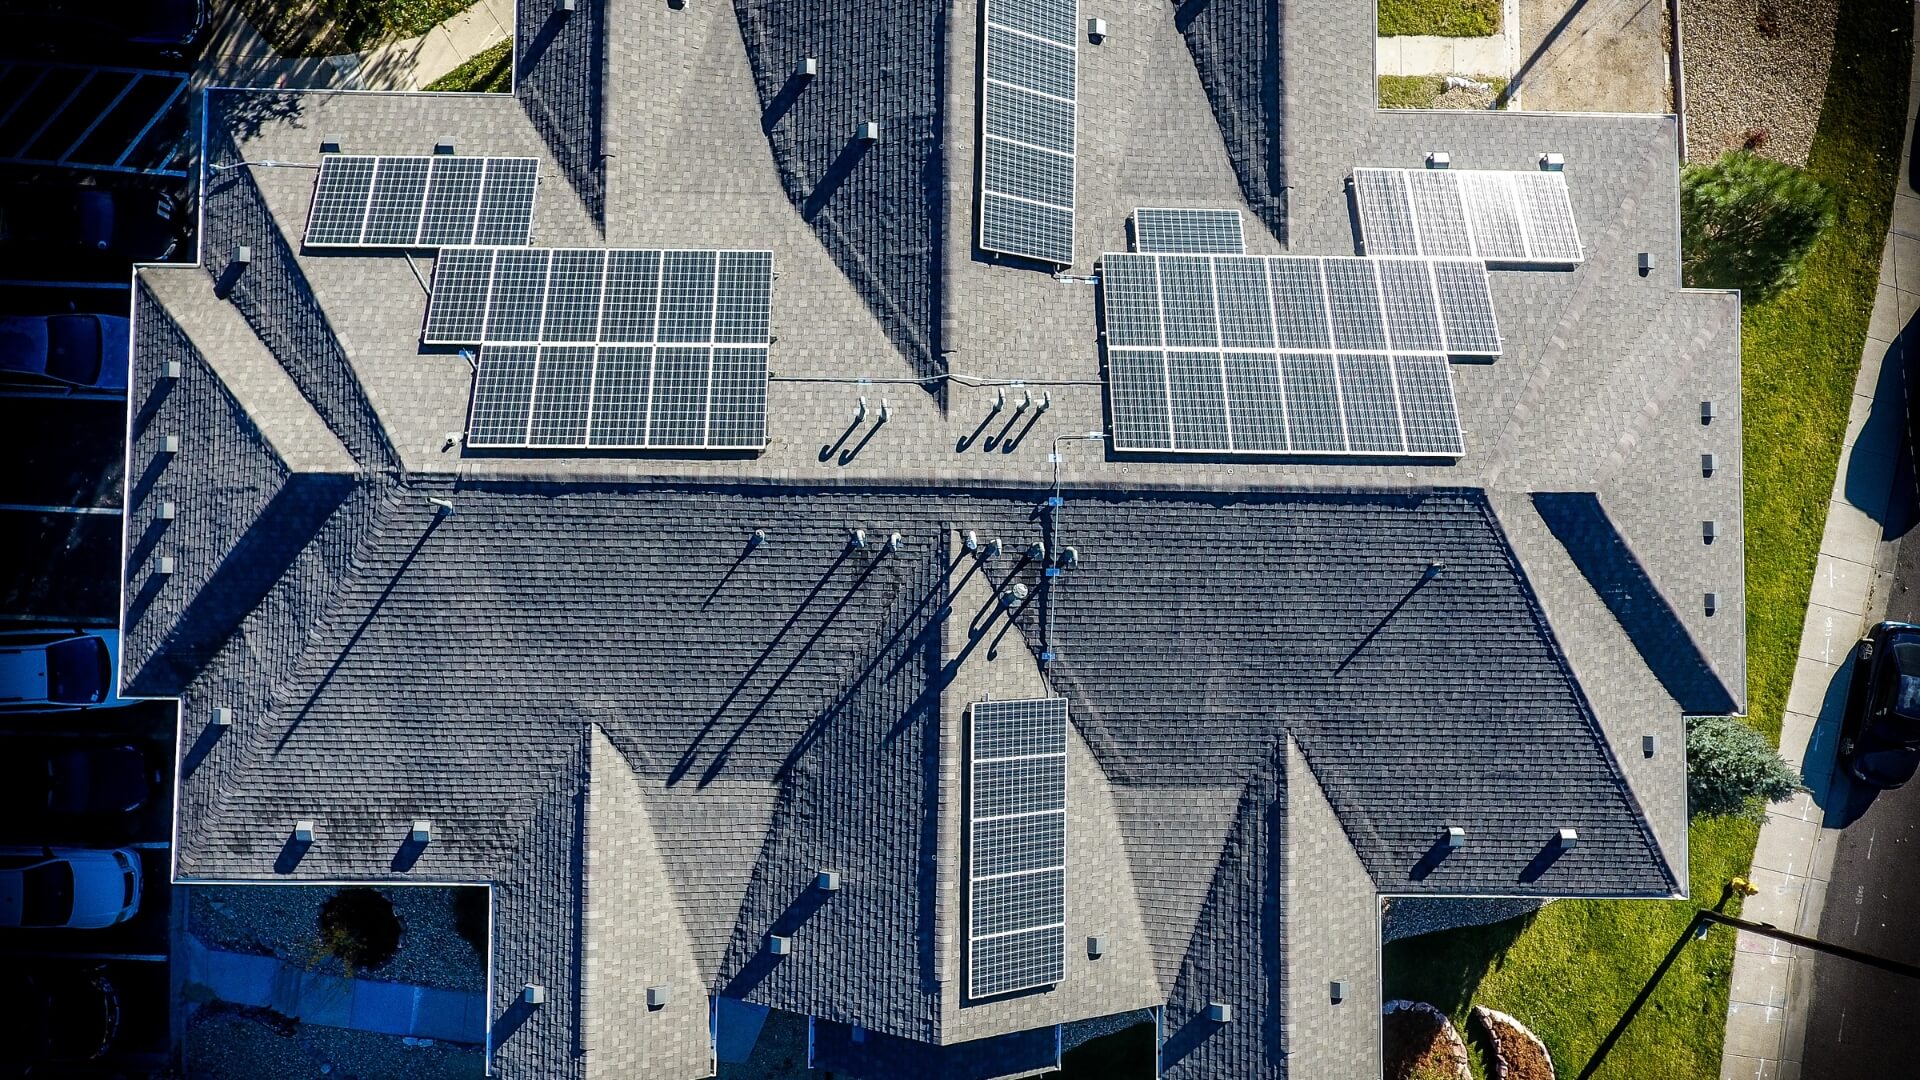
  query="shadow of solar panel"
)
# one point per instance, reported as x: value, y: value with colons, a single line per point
x: 1179, y: 229
x: 633, y: 284
x: 1256, y: 403
x: 1413, y: 315
x: 1245, y: 302
x: 1367, y: 402
x: 1137, y: 395
x: 1198, y: 396
x: 1386, y: 212
x: 1354, y: 299
x: 1466, y: 307
x: 680, y: 383
x: 619, y: 413
x: 340, y: 193
x: 562, y: 389
x: 1130, y: 295
x: 502, y: 396
x: 574, y: 284
x: 1427, y: 406
x: 453, y: 197
x: 462, y: 278
x: 519, y: 295
x: 1299, y: 304
x: 738, y: 414
x: 1313, y: 403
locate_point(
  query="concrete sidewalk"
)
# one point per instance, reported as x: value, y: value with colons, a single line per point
x: 238, y: 55
x: 1766, y: 1020
x: 421, y: 1012
x: 1496, y: 54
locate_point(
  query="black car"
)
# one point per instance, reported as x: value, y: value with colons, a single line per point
x: 169, y: 26
x: 1880, y: 731
x: 69, y: 779
x: 56, y: 1015
x: 106, y: 224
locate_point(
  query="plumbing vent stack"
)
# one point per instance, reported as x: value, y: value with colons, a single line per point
x: 857, y: 540
x: 970, y: 540
x: 1069, y: 558
x: 1037, y: 551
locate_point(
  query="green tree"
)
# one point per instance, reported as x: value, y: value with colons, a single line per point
x: 1732, y: 769
x: 1746, y: 222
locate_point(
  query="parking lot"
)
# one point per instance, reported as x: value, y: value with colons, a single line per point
x: 95, y: 155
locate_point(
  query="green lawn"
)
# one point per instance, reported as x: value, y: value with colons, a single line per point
x: 1570, y: 971
x: 489, y: 70
x: 1447, y: 18
x: 329, y: 27
x: 1419, y: 91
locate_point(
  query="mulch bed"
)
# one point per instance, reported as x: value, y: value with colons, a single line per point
x: 1517, y: 1053
x: 1421, y: 1044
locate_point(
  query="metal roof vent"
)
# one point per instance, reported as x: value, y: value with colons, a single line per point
x: 1649, y: 744
x: 779, y: 945
x: 1014, y: 596
x: 165, y: 512
x: 1220, y: 1012
x: 1096, y: 947
x: 163, y: 565
x: 970, y: 540
x: 1569, y: 838
x: 857, y: 540
x: 1713, y: 603
x: 1096, y: 30
x: 443, y: 145
x: 827, y: 881
x: 303, y: 831
x: 658, y: 996
x: 441, y: 506
x: 1709, y: 464
x: 1706, y: 412
x: 756, y: 538
x: 329, y: 144
x: 422, y: 831
x: 242, y: 255
x: 807, y: 68
x: 1338, y: 990
x: 173, y: 369
x: 169, y: 444
x: 1456, y: 837
x: 563, y: 7
x: 534, y: 994
x: 1037, y: 551
x: 1551, y: 162
x: 894, y: 543
x: 1439, y: 159
x: 222, y: 717
x: 1708, y: 530
x: 1069, y: 558
x: 1647, y: 263
x: 870, y: 131
x: 993, y: 549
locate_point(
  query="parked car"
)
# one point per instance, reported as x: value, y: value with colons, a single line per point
x: 69, y: 779
x: 81, y: 350
x: 76, y: 888
x: 57, y: 1015
x: 167, y: 25
x: 56, y: 670
x: 126, y: 224
x: 1880, y: 731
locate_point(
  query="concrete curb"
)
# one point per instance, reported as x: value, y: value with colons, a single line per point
x: 1766, y: 1015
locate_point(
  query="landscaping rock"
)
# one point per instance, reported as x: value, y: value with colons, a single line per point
x: 1756, y: 73
x: 1422, y: 1043
x: 1518, y: 1054
x: 1411, y: 916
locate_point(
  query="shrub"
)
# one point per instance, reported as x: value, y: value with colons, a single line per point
x: 359, y: 926
x: 1732, y: 769
x: 1747, y: 222
x: 470, y: 917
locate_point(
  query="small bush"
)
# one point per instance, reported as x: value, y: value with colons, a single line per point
x: 359, y: 926
x: 488, y: 71
x: 470, y: 917
x: 1747, y: 222
x: 1732, y: 769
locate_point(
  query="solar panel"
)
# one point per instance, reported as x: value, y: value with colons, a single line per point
x: 1495, y: 216
x: 1289, y: 355
x: 425, y: 201
x: 1028, y: 95
x: 582, y: 323
x: 1159, y: 229
x: 1016, y: 838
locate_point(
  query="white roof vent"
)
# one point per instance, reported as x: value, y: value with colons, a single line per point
x: 534, y: 994
x: 1713, y: 603
x: 1338, y: 990
x: 1706, y: 412
x: 1456, y: 836
x: 242, y: 255
x: 827, y: 881
x: 422, y: 831
x: 1096, y: 947
x: 303, y: 831
x: 1649, y: 745
x: 222, y: 717
x: 169, y: 444
x: 165, y: 512
x: 1096, y: 30
x: 1551, y: 162
x: 1708, y: 530
x: 807, y: 68
x: 1439, y: 159
x: 779, y: 945
x: 163, y: 565
x: 173, y: 369
x: 658, y: 996
x: 443, y: 145
x: 1709, y: 464
x: 1220, y: 1012
x: 1568, y: 839
x: 870, y: 131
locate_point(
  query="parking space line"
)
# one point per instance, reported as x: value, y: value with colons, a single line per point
x: 31, y: 508
x: 144, y: 958
x: 65, y: 395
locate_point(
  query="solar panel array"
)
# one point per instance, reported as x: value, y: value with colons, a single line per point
x: 414, y: 202
x: 1217, y: 232
x: 1017, y: 836
x: 1290, y: 355
x: 1028, y: 87
x: 616, y: 348
x: 1509, y: 217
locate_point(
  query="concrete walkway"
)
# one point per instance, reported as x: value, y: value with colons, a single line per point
x: 1766, y: 1021
x: 239, y: 55
x: 421, y: 1012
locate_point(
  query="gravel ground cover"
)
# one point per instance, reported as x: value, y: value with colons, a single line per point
x: 1755, y: 72
x: 1431, y: 92
x: 283, y: 921
x: 780, y: 1054
x: 229, y: 1043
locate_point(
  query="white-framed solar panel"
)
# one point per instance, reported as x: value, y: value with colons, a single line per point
x: 1182, y: 229
x: 1029, y: 78
x: 622, y: 348
x: 1509, y: 217
x: 1017, y: 845
x: 366, y: 201
x: 1292, y: 355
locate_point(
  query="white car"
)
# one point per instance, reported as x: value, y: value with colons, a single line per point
x: 71, y: 887
x: 58, y: 670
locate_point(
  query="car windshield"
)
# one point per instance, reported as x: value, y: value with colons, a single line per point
x: 49, y: 895
x: 73, y: 349
x: 1906, y: 697
x: 77, y: 671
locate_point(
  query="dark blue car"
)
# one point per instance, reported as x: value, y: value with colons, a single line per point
x: 86, y: 351
x: 1880, y: 731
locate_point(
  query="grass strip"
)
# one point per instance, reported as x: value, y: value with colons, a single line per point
x: 1442, y: 18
